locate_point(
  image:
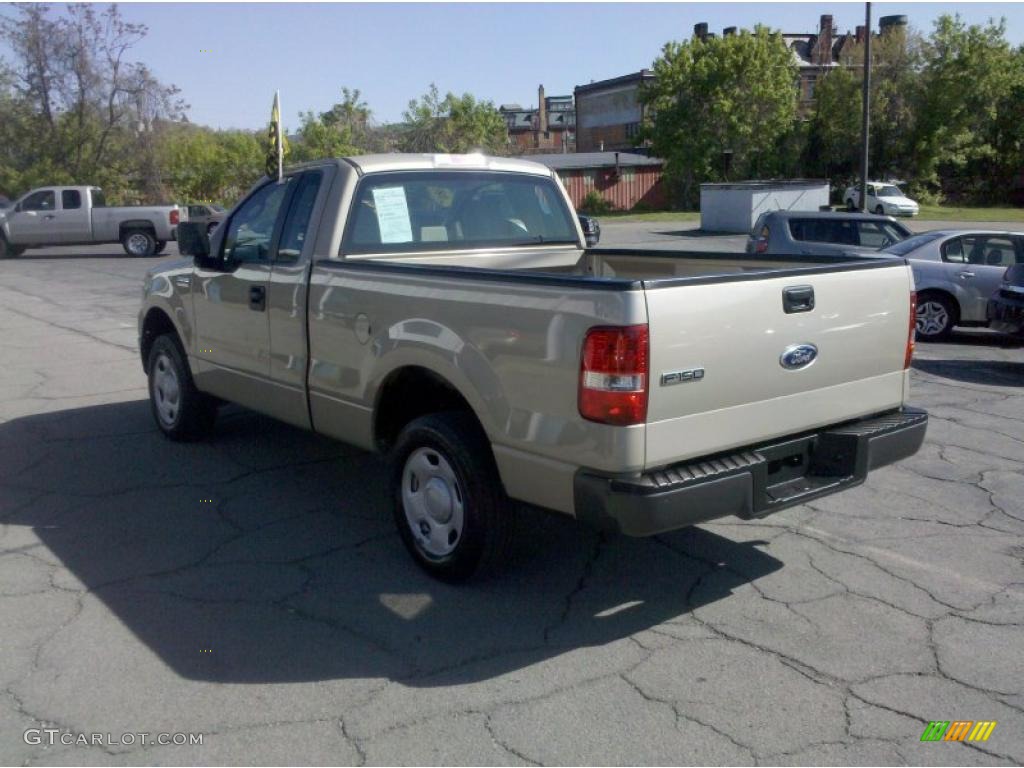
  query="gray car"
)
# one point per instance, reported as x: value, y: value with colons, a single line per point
x: 956, y: 272
x: 209, y: 215
x: 823, y: 233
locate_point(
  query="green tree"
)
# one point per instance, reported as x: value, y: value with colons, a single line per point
x: 341, y: 131
x: 82, y: 110
x: 453, y: 124
x: 200, y: 164
x: 719, y: 95
x: 833, y: 148
x: 969, y: 74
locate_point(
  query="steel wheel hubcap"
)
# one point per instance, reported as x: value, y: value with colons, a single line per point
x: 166, y: 390
x: 138, y: 244
x: 932, y: 318
x: 432, y: 501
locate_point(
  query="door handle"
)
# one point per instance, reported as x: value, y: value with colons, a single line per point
x: 258, y: 297
x: 798, y: 298
x: 49, y: 216
x: 966, y: 275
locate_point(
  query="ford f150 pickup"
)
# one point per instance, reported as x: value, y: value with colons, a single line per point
x: 80, y: 216
x: 446, y: 311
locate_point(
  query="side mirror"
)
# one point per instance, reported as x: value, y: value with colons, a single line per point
x: 193, y: 240
x: 591, y: 230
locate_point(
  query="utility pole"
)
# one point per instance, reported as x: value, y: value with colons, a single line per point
x: 866, y: 115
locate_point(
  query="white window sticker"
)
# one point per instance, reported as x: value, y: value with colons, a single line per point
x: 392, y: 214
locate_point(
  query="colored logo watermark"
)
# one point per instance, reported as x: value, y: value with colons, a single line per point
x: 958, y: 730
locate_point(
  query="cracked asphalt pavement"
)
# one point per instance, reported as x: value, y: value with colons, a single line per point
x: 252, y: 589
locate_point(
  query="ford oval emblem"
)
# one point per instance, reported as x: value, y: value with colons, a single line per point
x: 798, y: 356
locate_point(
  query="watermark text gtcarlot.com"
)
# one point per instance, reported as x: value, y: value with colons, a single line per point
x: 53, y: 736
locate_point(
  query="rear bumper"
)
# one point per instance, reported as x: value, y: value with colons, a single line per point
x: 1006, y: 313
x: 751, y: 482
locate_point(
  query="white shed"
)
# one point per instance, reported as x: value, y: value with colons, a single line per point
x: 735, y: 207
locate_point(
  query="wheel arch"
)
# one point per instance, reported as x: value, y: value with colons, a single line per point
x: 924, y: 293
x: 156, y: 323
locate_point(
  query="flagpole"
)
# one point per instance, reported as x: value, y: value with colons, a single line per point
x: 280, y: 138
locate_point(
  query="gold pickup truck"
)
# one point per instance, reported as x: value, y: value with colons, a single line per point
x: 446, y: 310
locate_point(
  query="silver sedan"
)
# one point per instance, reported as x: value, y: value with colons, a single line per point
x: 955, y: 273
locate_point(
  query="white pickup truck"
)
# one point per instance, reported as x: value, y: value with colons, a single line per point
x: 446, y: 311
x: 80, y: 216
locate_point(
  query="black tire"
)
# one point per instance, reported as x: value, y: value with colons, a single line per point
x: 195, y: 413
x: 485, y: 541
x: 936, y: 317
x: 160, y: 245
x: 850, y: 206
x: 8, y: 251
x: 879, y: 210
x: 138, y: 243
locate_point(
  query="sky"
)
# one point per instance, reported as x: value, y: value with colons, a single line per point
x: 228, y: 58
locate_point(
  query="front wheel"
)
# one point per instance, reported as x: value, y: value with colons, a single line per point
x: 935, y: 319
x: 180, y: 410
x: 138, y: 243
x: 850, y: 206
x: 450, y: 506
x: 879, y: 210
x: 8, y: 251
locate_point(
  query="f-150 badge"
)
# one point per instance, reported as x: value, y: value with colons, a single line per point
x: 681, y: 377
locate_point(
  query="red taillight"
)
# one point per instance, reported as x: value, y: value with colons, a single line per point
x: 910, y: 332
x: 614, y: 374
x: 762, y: 241
x: 175, y: 217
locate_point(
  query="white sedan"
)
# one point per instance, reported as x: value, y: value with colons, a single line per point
x: 883, y: 199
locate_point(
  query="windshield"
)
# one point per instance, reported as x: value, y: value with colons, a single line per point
x: 904, y: 247
x: 440, y: 210
x: 218, y: 208
x: 889, y: 191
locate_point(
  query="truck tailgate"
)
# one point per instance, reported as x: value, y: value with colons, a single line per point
x: 716, y: 347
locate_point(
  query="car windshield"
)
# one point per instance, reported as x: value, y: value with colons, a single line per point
x: 889, y: 191
x: 904, y: 247
x: 218, y: 208
x: 439, y: 210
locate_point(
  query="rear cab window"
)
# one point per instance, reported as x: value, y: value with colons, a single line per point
x: 424, y: 211
x: 70, y: 199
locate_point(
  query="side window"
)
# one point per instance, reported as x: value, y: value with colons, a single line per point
x: 98, y: 200
x: 44, y: 200
x: 874, y: 235
x: 252, y: 227
x: 997, y: 252
x: 70, y: 199
x: 953, y: 251
x: 296, y: 226
x: 798, y: 229
x: 195, y: 211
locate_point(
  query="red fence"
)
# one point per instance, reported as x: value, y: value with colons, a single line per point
x: 624, y: 190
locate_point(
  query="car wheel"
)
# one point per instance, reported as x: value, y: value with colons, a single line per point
x: 850, y: 206
x: 450, y: 506
x: 879, y: 210
x: 8, y: 251
x: 936, y: 316
x: 181, y: 411
x: 160, y: 245
x: 138, y: 243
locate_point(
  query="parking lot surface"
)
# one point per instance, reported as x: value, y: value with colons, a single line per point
x: 252, y: 588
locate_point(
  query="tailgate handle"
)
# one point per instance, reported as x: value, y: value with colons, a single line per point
x: 797, y: 298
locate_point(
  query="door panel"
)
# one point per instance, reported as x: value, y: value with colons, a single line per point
x: 72, y: 224
x: 229, y: 297
x: 34, y: 223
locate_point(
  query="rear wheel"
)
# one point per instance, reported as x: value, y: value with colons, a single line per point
x: 450, y: 507
x: 138, y: 243
x: 180, y: 410
x: 936, y: 316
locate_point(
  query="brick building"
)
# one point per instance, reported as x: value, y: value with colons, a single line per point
x: 609, y: 113
x: 551, y: 127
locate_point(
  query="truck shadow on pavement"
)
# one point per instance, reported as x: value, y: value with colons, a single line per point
x: 268, y: 555
x: 1000, y: 373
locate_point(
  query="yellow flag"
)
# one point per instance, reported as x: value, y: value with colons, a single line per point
x: 277, y: 144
